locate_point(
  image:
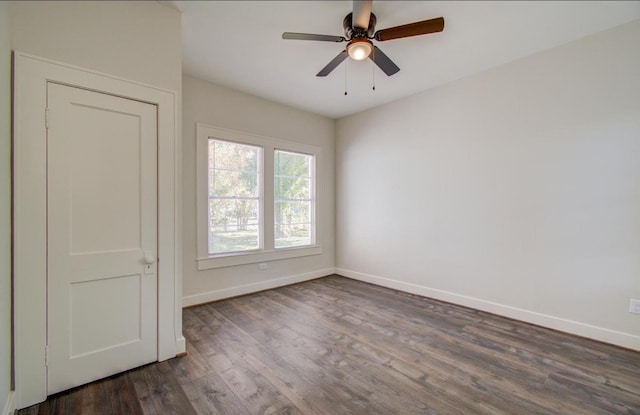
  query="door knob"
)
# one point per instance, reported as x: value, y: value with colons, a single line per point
x: 149, y: 259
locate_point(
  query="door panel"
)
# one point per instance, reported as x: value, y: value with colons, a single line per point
x: 116, y: 194
x: 101, y: 224
x: 90, y: 300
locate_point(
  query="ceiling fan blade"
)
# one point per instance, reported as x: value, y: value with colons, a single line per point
x: 412, y: 29
x: 333, y: 64
x: 311, y: 36
x: 361, y: 13
x: 383, y: 61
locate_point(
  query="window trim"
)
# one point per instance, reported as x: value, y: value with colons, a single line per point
x: 268, y: 251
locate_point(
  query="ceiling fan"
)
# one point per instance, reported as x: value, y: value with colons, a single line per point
x: 359, y: 30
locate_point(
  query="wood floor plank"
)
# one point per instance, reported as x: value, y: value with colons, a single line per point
x: 211, y: 395
x: 159, y: 391
x: 392, y: 319
x: 528, y: 387
x: 469, y: 393
x: 144, y: 391
x: 340, y: 346
x: 348, y: 398
x: 585, y: 362
x: 122, y: 387
x: 48, y: 407
x: 349, y: 340
x: 30, y: 410
x: 95, y: 399
x: 245, y: 382
x: 190, y: 367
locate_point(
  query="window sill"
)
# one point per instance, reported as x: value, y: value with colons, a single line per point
x: 231, y: 260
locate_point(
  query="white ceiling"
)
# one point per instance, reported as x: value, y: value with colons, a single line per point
x: 238, y: 44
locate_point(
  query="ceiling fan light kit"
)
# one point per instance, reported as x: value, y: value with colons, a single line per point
x: 360, y: 46
x: 359, y: 49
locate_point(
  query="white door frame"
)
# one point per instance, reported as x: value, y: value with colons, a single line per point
x: 31, y: 75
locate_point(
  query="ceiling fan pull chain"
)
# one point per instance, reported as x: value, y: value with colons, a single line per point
x: 373, y: 68
x: 345, y: 77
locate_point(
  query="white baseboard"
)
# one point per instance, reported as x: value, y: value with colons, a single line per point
x: 9, y: 407
x: 181, y: 345
x: 617, y: 338
x: 209, y: 296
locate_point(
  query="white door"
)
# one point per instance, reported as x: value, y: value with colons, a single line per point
x: 101, y: 242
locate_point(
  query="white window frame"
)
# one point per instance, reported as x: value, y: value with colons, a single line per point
x: 313, y: 197
x: 260, y: 199
x: 268, y: 251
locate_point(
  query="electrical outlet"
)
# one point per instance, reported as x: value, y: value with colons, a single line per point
x: 634, y: 306
x: 264, y: 266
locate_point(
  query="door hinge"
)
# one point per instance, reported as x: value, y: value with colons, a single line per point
x: 46, y: 355
x: 46, y: 118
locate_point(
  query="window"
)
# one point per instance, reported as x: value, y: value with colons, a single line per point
x: 256, y: 197
x: 293, y: 200
x: 234, y: 197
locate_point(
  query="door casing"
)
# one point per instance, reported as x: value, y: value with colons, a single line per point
x: 31, y: 74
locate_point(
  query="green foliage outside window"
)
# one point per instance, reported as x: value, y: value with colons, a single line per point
x: 293, y: 183
x: 234, y: 205
x: 234, y: 197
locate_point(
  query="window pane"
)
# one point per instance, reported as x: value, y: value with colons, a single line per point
x: 233, y: 183
x: 234, y: 204
x: 235, y: 241
x: 233, y: 225
x: 294, y: 199
x: 293, y: 235
x: 287, y: 187
x: 292, y: 164
x: 292, y: 212
x: 232, y: 156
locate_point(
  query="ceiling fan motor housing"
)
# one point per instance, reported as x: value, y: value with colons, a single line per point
x: 351, y: 32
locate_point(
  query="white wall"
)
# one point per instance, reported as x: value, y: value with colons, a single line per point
x: 222, y: 107
x: 137, y: 40
x: 516, y: 190
x: 5, y: 208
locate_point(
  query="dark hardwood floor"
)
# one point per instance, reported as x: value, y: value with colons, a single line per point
x: 337, y: 346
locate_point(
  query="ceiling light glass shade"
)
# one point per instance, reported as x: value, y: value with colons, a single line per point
x: 359, y: 49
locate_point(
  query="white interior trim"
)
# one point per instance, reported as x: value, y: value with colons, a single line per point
x: 268, y: 252
x: 31, y: 75
x: 9, y: 407
x: 220, y: 261
x: 235, y: 291
x: 626, y: 340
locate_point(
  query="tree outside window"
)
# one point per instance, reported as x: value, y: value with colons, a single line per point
x: 293, y: 201
x: 234, y: 197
